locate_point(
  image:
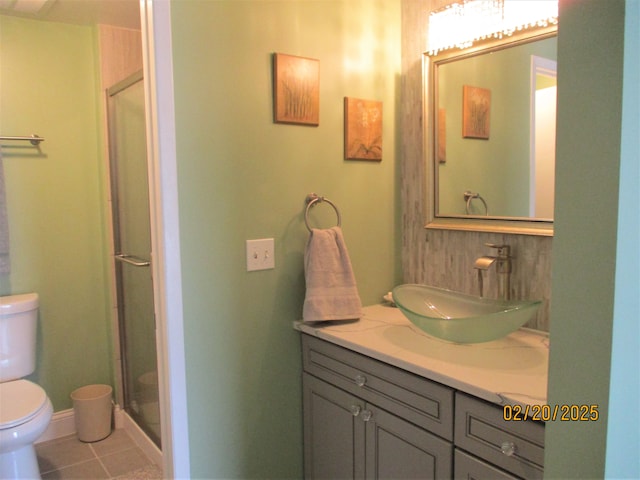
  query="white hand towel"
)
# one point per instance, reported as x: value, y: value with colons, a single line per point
x: 4, y: 226
x: 331, y: 286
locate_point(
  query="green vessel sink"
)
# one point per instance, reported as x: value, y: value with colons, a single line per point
x: 461, y: 318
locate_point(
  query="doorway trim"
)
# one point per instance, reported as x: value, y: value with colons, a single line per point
x: 546, y: 67
x: 165, y: 235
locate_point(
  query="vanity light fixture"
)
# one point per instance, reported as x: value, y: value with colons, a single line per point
x: 29, y: 7
x: 462, y: 23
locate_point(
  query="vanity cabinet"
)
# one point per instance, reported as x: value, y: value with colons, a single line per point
x: 366, y: 419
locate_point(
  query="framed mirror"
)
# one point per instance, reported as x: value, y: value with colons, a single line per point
x: 492, y: 140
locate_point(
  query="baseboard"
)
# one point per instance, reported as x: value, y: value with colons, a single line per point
x: 63, y: 424
x: 144, y: 442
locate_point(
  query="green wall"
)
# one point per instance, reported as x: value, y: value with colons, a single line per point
x: 590, y: 48
x: 55, y: 199
x: 241, y: 177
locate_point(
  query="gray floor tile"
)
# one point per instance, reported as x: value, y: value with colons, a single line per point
x: 150, y: 472
x: 85, y: 470
x: 115, y: 456
x: 125, y: 461
x: 61, y: 453
x: 116, y: 442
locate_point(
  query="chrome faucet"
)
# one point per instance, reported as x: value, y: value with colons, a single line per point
x: 503, y: 268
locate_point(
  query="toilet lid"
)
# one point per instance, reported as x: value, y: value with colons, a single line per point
x: 19, y: 401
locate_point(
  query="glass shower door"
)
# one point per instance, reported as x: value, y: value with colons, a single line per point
x: 132, y: 246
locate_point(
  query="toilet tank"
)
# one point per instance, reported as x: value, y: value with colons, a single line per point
x: 18, y: 320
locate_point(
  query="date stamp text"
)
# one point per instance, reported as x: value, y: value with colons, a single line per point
x: 551, y: 413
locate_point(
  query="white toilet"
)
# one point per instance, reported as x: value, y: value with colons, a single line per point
x: 25, y: 409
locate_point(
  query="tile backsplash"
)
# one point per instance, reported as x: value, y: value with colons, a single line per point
x: 448, y: 258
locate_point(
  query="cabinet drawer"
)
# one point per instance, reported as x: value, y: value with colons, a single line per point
x: 480, y: 429
x: 420, y: 401
x: 467, y: 467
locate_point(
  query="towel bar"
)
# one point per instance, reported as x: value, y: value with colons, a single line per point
x: 33, y: 139
x: 311, y: 200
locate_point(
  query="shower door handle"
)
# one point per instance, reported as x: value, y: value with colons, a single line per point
x: 131, y: 260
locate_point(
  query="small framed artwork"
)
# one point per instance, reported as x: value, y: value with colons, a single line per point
x: 476, y: 107
x: 442, y: 135
x: 362, y: 129
x: 296, y: 90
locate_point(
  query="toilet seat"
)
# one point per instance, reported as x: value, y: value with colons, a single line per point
x: 21, y: 400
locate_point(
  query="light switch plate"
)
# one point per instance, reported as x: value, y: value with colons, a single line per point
x: 260, y: 254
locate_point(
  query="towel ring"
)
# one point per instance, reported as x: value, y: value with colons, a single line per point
x: 311, y: 200
x: 469, y: 196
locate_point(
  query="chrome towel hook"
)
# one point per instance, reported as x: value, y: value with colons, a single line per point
x: 313, y: 199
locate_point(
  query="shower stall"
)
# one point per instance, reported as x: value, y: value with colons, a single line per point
x: 132, y: 254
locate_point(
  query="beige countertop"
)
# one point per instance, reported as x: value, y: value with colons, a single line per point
x: 512, y: 370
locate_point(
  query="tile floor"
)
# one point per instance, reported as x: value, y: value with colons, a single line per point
x: 115, y: 457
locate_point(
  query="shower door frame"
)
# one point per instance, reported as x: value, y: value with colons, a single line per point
x: 123, y: 261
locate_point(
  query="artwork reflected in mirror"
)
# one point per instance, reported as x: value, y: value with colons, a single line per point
x: 476, y: 109
x: 495, y: 132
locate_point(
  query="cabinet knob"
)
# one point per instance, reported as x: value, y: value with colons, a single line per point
x: 508, y: 448
x: 361, y: 380
x: 355, y: 410
x: 366, y: 415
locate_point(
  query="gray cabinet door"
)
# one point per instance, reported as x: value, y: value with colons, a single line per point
x: 333, y: 433
x: 397, y: 449
x: 346, y: 438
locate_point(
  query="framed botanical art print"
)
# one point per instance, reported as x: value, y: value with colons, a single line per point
x: 476, y: 106
x: 362, y: 129
x: 296, y: 90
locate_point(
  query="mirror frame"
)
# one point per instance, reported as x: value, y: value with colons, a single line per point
x: 470, y: 223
